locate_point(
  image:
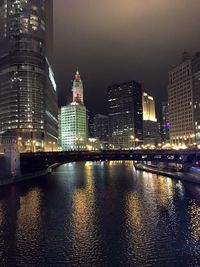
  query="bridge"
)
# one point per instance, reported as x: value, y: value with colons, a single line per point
x: 31, y: 162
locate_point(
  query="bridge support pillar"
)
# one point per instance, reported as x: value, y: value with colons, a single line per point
x: 11, y: 154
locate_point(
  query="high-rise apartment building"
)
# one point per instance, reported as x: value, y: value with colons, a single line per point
x: 184, y: 101
x: 28, y: 97
x: 151, y: 134
x: 74, y: 119
x: 125, y: 114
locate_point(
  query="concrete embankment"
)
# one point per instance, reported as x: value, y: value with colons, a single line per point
x: 191, y: 177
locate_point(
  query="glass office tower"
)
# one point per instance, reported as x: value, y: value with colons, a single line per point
x: 28, y: 97
x: 101, y: 124
x: 125, y: 114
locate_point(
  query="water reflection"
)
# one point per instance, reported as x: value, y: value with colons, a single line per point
x: 83, y: 222
x: 28, y: 222
x: 195, y: 221
x: 100, y: 214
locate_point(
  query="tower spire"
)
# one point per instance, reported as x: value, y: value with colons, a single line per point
x: 77, y: 75
x: 77, y: 88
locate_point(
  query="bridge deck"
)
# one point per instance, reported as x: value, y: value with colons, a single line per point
x: 42, y: 160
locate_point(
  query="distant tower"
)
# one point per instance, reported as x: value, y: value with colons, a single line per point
x: 150, y: 124
x: 165, y: 121
x: 77, y: 89
x: 74, y: 120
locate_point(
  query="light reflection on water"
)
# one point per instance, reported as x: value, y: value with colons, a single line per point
x: 100, y: 214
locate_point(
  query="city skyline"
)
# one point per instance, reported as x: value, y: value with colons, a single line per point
x: 124, y: 50
x: 33, y: 111
x: 98, y: 176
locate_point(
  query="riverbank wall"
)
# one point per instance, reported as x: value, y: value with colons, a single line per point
x: 192, y: 177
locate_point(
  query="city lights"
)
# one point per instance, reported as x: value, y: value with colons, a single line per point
x: 99, y: 164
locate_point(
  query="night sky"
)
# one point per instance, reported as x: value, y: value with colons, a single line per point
x: 114, y: 41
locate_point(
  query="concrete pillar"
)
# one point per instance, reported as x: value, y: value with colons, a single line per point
x: 11, y: 154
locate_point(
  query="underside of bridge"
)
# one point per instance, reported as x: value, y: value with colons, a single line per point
x: 32, y: 162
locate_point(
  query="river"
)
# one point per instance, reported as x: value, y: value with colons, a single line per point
x: 100, y: 214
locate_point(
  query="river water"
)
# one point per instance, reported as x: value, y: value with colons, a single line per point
x: 100, y: 214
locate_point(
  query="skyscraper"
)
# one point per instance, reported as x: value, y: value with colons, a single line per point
x: 196, y: 94
x: 73, y: 127
x: 101, y: 123
x: 165, y: 122
x: 28, y: 97
x: 184, y: 101
x: 74, y: 120
x: 150, y: 125
x: 125, y: 114
x: 148, y: 103
x: 90, y: 123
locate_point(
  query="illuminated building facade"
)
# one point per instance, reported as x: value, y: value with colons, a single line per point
x: 184, y: 101
x: 150, y: 125
x: 73, y: 127
x: 148, y: 103
x: 74, y: 120
x: 125, y: 114
x: 77, y: 89
x: 28, y: 98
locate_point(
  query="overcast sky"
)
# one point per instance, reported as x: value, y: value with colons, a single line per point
x: 120, y: 40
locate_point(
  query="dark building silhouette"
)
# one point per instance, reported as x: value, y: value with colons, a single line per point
x: 28, y: 97
x: 90, y: 124
x: 101, y: 127
x: 165, y: 122
x: 196, y: 94
x: 125, y: 114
